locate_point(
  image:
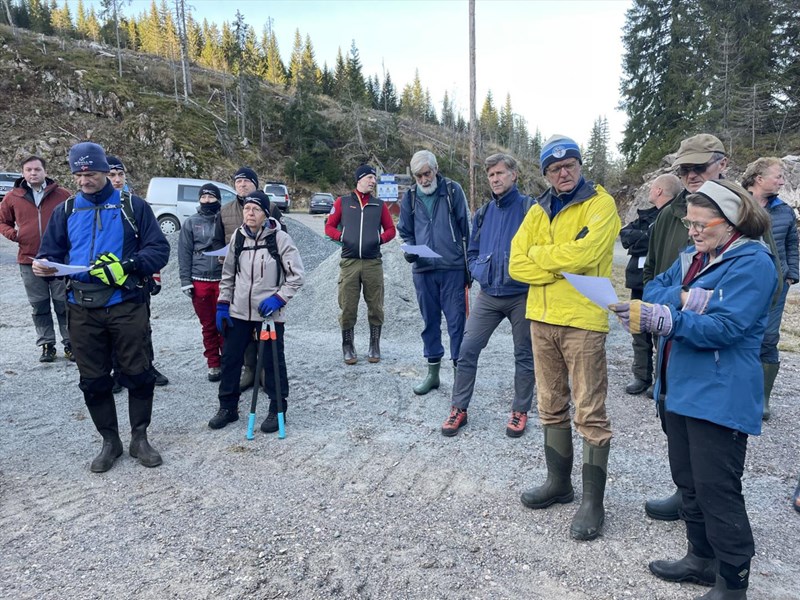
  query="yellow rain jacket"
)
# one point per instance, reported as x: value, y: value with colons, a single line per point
x: 580, y: 240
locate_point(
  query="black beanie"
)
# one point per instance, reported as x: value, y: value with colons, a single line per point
x: 210, y: 188
x: 363, y: 171
x: 247, y: 173
x: 114, y: 163
x: 260, y: 198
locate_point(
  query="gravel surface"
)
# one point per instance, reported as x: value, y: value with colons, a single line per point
x: 364, y: 498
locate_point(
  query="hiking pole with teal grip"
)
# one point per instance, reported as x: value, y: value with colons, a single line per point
x: 273, y: 341
x: 263, y: 336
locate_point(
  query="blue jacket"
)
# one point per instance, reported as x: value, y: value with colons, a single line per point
x: 490, y: 243
x: 79, y: 238
x: 714, y: 371
x: 784, y: 230
x: 442, y: 232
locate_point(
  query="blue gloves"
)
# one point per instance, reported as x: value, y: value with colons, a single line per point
x: 223, y: 316
x: 270, y: 305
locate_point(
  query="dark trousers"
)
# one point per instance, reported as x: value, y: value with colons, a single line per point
x: 441, y: 292
x: 642, y: 350
x: 707, y: 461
x: 237, y: 337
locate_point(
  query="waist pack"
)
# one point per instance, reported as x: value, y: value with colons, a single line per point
x: 91, y: 295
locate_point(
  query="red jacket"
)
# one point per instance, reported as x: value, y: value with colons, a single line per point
x: 22, y: 222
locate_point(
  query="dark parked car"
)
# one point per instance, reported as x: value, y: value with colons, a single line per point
x: 321, y: 203
x: 281, y: 193
x: 7, y: 182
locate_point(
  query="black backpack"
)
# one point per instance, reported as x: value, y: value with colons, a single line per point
x: 271, y: 245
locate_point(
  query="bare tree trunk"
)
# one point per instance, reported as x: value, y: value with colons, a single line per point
x: 116, y: 28
x: 473, y: 121
x: 183, y: 37
x: 8, y: 13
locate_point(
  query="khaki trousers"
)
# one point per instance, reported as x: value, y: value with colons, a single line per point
x: 564, y: 356
x: 355, y: 274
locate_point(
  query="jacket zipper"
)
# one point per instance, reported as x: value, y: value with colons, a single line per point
x: 360, y: 229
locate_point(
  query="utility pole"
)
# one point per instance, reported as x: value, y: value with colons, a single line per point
x: 473, y: 120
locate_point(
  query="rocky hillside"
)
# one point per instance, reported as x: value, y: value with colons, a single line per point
x: 56, y: 92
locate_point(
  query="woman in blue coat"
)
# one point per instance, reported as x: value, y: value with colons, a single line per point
x: 710, y: 310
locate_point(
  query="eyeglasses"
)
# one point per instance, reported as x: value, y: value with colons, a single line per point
x: 700, y: 227
x: 570, y: 167
x: 684, y: 170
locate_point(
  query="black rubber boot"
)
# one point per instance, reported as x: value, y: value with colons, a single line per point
x: 374, y: 344
x: 248, y: 375
x: 665, y: 509
x: 588, y: 521
x: 431, y: 381
x: 348, y: 349
x: 104, y: 416
x: 689, y: 569
x: 558, y: 485
x: 770, y: 373
x: 731, y: 583
x: 140, y: 409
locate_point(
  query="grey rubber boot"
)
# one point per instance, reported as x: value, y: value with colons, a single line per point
x: 348, y: 348
x: 104, y: 416
x: 588, y: 521
x: 140, y: 409
x: 374, y: 344
x: 558, y: 457
x: 431, y: 381
x: 770, y: 373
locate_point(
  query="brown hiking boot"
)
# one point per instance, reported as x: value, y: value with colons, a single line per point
x: 456, y: 420
x: 516, y: 424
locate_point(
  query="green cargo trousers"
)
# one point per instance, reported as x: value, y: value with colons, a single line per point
x: 355, y: 274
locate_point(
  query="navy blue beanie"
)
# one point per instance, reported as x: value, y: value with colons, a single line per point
x: 260, y: 198
x: 246, y: 173
x: 87, y: 156
x: 114, y: 163
x: 363, y: 171
x: 558, y: 147
x: 210, y: 188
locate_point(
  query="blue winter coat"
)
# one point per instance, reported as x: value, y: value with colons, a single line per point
x: 81, y: 237
x: 784, y: 230
x: 490, y: 243
x: 445, y: 231
x: 714, y: 371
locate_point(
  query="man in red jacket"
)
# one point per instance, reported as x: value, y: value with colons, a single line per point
x: 24, y: 214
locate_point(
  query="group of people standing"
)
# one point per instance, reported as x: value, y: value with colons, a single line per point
x: 709, y: 274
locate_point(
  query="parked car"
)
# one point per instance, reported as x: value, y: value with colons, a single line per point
x: 175, y: 198
x: 321, y: 203
x: 281, y: 193
x: 7, y: 183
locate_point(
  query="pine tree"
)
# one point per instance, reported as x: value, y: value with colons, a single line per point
x: 80, y: 22
x: 340, y: 76
x: 295, y: 59
x: 326, y: 80
x: 62, y: 19
x: 489, y: 120
x: 276, y: 71
x: 448, y: 114
x: 505, y: 130
x: 373, y: 92
x: 596, y: 158
x: 39, y: 16
x: 412, y: 101
x: 356, y: 90
x: 389, y: 101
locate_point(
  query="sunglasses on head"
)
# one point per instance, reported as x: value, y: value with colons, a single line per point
x: 684, y: 170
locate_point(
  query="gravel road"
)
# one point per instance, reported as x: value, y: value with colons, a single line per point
x: 364, y: 498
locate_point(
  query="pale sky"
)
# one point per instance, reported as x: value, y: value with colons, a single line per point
x: 559, y: 60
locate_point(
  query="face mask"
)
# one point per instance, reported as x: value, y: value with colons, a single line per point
x: 209, y: 208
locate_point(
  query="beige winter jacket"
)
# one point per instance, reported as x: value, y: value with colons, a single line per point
x: 257, y: 274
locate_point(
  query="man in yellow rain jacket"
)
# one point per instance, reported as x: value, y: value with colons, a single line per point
x: 571, y: 228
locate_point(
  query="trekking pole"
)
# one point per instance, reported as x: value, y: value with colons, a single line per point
x: 467, y: 274
x: 263, y: 336
x: 273, y: 338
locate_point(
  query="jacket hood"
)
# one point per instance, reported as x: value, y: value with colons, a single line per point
x: 21, y: 183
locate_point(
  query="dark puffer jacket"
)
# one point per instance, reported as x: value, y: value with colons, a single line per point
x: 784, y: 230
x: 635, y: 237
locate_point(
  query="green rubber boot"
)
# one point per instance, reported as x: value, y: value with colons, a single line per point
x: 431, y: 381
x: 558, y: 457
x: 770, y: 373
x: 589, y: 519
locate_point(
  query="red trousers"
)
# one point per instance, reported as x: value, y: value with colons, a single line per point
x: 205, y: 306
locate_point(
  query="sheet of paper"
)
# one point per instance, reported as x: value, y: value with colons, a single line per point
x: 62, y: 269
x: 641, y: 261
x: 422, y: 251
x: 221, y: 252
x: 597, y: 289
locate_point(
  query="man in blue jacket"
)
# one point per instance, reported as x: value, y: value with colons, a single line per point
x: 434, y: 213
x: 117, y: 236
x: 501, y: 297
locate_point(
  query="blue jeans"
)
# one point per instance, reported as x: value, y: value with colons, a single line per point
x: 772, y: 335
x: 441, y: 292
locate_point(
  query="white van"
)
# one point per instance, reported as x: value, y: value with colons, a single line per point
x: 175, y: 198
